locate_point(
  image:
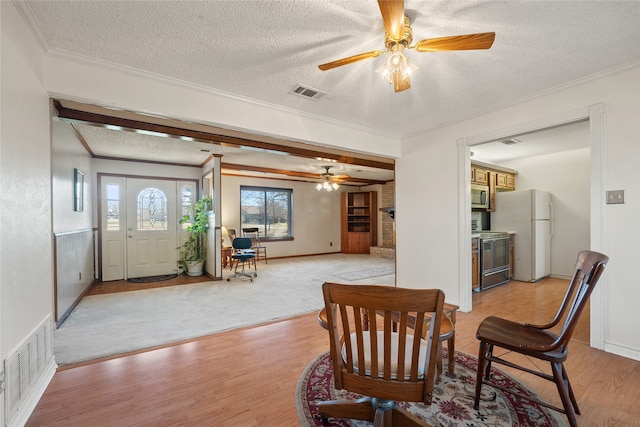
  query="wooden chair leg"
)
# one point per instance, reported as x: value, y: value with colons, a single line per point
x: 451, y: 349
x: 571, y: 395
x: 563, y: 389
x: 439, y: 358
x: 482, y: 353
x: 487, y: 357
x: 360, y: 409
x: 402, y: 418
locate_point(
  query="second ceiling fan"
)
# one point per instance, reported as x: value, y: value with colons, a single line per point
x: 330, y: 181
x: 399, y: 36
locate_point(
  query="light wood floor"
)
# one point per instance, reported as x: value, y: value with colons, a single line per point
x: 247, y: 377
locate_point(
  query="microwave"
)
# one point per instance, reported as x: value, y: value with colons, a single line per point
x: 479, y: 196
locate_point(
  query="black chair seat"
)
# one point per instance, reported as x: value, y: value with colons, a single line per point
x: 242, y: 257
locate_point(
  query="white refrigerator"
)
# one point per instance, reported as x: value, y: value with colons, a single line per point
x: 529, y: 214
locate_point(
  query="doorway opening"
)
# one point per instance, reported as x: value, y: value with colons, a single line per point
x: 594, y: 116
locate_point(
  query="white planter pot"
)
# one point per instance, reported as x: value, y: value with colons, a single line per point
x: 195, y: 268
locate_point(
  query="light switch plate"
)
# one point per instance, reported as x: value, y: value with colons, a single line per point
x: 615, y: 197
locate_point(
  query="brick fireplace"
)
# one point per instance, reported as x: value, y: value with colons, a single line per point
x: 388, y: 247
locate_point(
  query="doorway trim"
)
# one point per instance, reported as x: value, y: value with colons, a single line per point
x: 595, y: 115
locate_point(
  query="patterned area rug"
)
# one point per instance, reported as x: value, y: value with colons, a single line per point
x: 452, y: 403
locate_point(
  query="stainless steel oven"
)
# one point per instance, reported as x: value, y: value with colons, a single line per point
x: 494, y: 260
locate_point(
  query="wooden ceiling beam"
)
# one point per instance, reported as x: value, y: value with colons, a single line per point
x: 306, y: 175
x: 95, y: 119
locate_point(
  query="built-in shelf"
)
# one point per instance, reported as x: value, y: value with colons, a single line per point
x: 359, y: 222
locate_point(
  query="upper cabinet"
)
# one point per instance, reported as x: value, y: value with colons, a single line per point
x: 505, y: 181
x: 479, y: 176
x: 495, y: 180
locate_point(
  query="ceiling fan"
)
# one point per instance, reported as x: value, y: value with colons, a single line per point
x: 399, y: 35
x: 330, y: 181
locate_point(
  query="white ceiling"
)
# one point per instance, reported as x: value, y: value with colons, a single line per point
x: 553, y: 140
x: 261, y: 49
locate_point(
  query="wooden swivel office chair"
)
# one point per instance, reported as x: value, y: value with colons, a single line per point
x: 370, y: 358
x: 447, y: 333
x: 242, y: 254
x: 254, y: 234
x: 537, y: 341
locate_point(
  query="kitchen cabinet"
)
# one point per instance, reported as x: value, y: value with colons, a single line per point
x: 479, y: 176
x: 492, y: 191
x: 359, y: 222
x: 505, y: 181
x: 475, y: 263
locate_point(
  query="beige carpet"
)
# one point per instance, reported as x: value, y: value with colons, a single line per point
x: 105, y: 325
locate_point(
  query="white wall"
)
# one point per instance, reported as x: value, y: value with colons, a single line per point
x: 566, y: 175
x: 26, y: 297
x: 67, y: 154
x: 427, y: 178
x: 25, y: 214
x: 316, y: 215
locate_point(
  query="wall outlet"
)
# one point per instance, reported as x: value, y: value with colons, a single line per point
x: 615, y: 197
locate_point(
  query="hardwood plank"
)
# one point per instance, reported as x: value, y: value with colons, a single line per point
x: 247, y: 377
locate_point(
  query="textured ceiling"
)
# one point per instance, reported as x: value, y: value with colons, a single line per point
x: 262, y: 49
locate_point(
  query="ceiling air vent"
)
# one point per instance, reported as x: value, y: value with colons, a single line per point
x: 307, y: 92
x: 511, y: 141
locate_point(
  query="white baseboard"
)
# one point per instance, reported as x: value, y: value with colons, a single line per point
x: 630, y: 353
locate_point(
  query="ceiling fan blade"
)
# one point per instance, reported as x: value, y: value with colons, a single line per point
x: 343, y: 177
x: 349, y: 60
x: 463, y: 42
x: 393, y: 17
x: 400, y: 84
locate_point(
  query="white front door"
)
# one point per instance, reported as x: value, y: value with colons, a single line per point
x: 152, y: 227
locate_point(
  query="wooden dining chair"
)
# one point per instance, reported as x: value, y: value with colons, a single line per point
x: 538, y: 341
x: 372, y: 358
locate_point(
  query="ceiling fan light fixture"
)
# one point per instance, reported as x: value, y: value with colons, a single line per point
x: 397, y: 67
x: 327, y: 185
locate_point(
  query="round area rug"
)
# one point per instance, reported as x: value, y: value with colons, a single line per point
x: 452, y: 402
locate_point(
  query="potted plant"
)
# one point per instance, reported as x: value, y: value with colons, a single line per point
x: 194, y: 251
